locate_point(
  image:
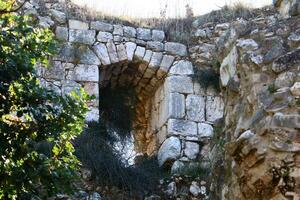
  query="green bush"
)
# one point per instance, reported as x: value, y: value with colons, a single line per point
x: 36, y: 125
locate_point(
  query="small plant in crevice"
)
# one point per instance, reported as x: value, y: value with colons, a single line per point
x: 207, y: 77
x: 272, y: 88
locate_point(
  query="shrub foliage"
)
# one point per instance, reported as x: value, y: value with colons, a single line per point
x: 36, y: 124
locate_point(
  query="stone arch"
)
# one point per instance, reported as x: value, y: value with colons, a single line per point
x: 171, y: 105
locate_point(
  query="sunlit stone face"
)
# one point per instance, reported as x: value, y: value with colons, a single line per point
x: 154, y: 8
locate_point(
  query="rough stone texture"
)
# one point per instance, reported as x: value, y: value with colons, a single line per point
x: 158, y: 35
x: 101, y: 26
x: 289, y: 60
x: 143, y: 34
x: 82, y: 36
x: 182, y: 67
x: 102, y: 53
x: 84, y: 73
x: 195, y: 108
x: 295, y: 89
x: 182, y: 127
x: 75, y: 24
x: 181, y: 84
x: 169, y: 151
x: 228, y: 67
x: 129, y: 31
x: 130, y: 49
x: 214, y: 108
x: 104, y: 36
x: 62, y: 33
x: 176, y: 48
x: 176, y: 105
x: 205, y: 130
x: 191, y: 150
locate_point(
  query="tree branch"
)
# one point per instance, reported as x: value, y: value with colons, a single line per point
x: 5, y: 11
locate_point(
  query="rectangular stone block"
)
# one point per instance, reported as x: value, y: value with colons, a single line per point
x: 176, y: 106
x: 112, y: 52
x: 76, y: 24
x: 62, y: 33
x: 195, y: 108
x: 182, y: 128
x: 89, y: 73
x: 130, y: 48
x: 176, y: 48
x: 165, y: 65
x: 214, y: 108
x: 102, y: 53
x: 104, y: 36
x: 155, y: 61
x: 82, y: 36
x: 139, y: 53
x: 180, y: 84
x: 101, y: 26
x: 122, y: 54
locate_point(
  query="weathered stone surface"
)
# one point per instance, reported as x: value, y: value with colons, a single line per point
x: 54, y: 71
x: 118, y: 30
x: 62, y: 33
x: 143, y: 34
x: 158, y: 35
x: 182, y: 67
x: 139, y: 52
x: 58, y: 16
x: 177, y: 167
x: 165, y: 65
x: 247, y: 44
x: 92, y: 115
x: 228, y: 67
x: 156, y: 46
x: 129, y: 31
x: 195, y: 108
x: 295, y: 89
x: 102, y: 53
x: 286, y: 120
x: 87, y: 56
x: 176, y: 48
x: 84, y: 73
x: 104, y: 36
x: 155, y: 60
x: 214, y: 108
x: 75, y: 24
x: 287, y: 61
x: 180, y: 84
x: 148, y: 55
x: 101, y: 26
x: 275, y: 49
x: 191, y: 150
x: 121, y: 51
x: 176, y: 105
x: 285, y: 79
x: 130, y: 49
x: 69, y: 86
x: 195, y: 189
x: 205, y: 130
x: 182, y: 127
x: 169, y: 151
x: 112, y: 52
x: 82, y: 36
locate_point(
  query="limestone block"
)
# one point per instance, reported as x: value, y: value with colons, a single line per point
x: 129, y: 31
x: 66, y: 53
x: 155, y: 46
x: 155, y: 61
x: 247, y: 44
x: 287, y: 61
x: 101, y: 26
x: 285, y: 79
x: 176, y: 48
x: 112, y: 52
x: 182, y: 67
x: 143, y: 34
x: 87, y: 56
x: 195, y: 108
x: 295, y: 89
x: 165, y: 65
x: 286, y: 120
x: 104, y: 36
x: 198, y: 89
x: 158, y: 35
x: 228, y: 67
x: 169, y: 151
x: 89, y: 73
x: 55, y: 71
x: 62, y: 33
x: 75, y: 24
x: 214, y: 108
x: 176, y: 106
x: 205, y: 130
x: 130, y: 48
x: 191, y: 150
x: 58, y: 16
x: 148, y: 55
x: 122, y: 54
x: 180, y: 84
x: 139, y: 52
x: 182, y: 127
x: 92, y: 115
x: 69, y: 86
x: 82, y: 36
x: 102, y: 53
x: 118, y: 30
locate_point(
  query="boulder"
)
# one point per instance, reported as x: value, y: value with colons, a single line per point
x: 169, y: 151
